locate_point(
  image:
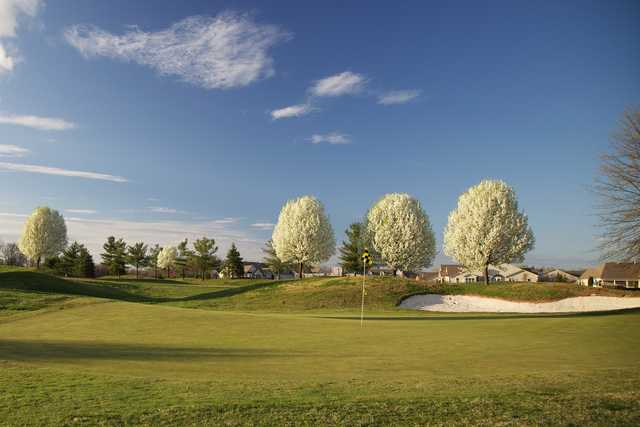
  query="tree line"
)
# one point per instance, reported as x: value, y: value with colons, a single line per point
x: 486, y: 227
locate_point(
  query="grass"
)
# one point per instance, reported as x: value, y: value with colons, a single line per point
x: 120, y: 352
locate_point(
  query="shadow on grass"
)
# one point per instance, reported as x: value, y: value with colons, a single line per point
x: 111, y: 289
x: 491, y: 316
x: 25, y: 350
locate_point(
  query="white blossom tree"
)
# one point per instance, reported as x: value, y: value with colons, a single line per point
x: 167, y: 258
x: 400, y: 232
x: 303, y: 233
x: 487, y: 228
x: 44, y: 235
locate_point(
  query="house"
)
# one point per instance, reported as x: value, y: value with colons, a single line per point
x: 502, y: 273
x: 336, y: 271
x: 427, y: 276
x: 557, y: 275
x: 380, y: 270
x: 612, y: 274
x: 256, y: 270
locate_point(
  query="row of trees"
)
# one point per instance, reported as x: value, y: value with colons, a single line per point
x: 485, y: 228
x: 200, y: 258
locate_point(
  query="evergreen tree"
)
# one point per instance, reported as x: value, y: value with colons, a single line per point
x: 275, y: 264
x: 85, y: 266
x: 137, y: 256
x: 114, y: 256
x: 184, y: 255
x: 69, y: 260
x: 153, y: 258
x: 352, y: 249
x: 234, y: 262
x: 204, y: 255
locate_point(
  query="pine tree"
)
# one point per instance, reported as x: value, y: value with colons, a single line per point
x: 234, y: 262
x: 275, y: 264
x: 153, y: 258
x: 85, y: 266
x: 69, y: 260
x: 184, y: 254
x: 352, y: 249
x: 114, y: 256
x: 204, y: 255
x: 137, y: 256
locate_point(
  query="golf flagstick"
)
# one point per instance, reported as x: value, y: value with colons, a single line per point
x: 364, y: 275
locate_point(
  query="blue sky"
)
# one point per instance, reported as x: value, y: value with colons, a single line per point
x: 176, y: 113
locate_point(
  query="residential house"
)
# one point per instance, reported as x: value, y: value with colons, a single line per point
x: 256, y: 270
x: 557, y: 275
x: 427, y: 276
x: 612, y: 274
x: 503, y: 273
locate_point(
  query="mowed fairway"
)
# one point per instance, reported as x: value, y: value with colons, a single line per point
x: 92, y: 361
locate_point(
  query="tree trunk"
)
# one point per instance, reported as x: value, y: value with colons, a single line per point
x: 38, y: 263
x: 300, y: 271
x: 486, y: 274
x: 137, y: 276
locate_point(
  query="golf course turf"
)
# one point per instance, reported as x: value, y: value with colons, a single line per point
x: 121, y: 352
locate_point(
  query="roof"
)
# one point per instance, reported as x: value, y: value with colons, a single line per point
x: 451, y: 270
x: 428, y: 275
x: 614, y: 271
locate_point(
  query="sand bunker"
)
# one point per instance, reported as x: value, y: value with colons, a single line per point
x: 473, y: 304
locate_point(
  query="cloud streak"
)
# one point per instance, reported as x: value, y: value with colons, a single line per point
x: 292, y: 111
x: 47, y: 170
x: 226, y: 51
x: 263, y: 225
x: 333, y: 138
x: 7, y: 150
x: 35, y: 122
x: 81, y: 211
x: 398, y: 97
x: 346, y: 83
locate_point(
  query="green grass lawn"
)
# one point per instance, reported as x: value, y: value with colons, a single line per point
x: 121, y: 352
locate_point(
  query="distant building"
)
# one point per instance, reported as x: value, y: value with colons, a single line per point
x: 558, y: 275
x: 428, y: 276
x: 502, y: 273
x: 256, y: 270
x: 612, y: 274
x: 336, y: 271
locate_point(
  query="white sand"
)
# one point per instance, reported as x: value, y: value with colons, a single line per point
x: 467, y: 303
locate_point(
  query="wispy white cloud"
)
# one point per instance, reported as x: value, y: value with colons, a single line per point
x: 345, y: 83
x: 334, y: 138
x: 35, y: 122
x: 164, y: 210
x: 226, y: 51
x: 7, y: 150
x: 82, y: 211
x: 292, y: 111
x: 10, y: 10
x: 398, y: 96
x: 47, y: 170
x: 263, y: 225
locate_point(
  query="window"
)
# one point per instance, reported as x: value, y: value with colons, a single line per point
x: 469, y: 279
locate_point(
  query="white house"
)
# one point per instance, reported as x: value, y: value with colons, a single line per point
x: 558, y: 275
x: 502, y: 273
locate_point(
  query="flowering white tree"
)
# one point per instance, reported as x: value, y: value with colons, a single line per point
x: 303, y: 233
x: 44, y: 235
x: 167, y: 258
x: 400, y: 232
x: 487, y: 228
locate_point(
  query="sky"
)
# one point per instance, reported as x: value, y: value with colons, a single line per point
x: 162, y: 120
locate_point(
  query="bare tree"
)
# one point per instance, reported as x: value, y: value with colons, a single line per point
x: 618, y: 188
x: 11, y: 255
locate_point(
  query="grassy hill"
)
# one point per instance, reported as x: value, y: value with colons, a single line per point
x: 121, y: 352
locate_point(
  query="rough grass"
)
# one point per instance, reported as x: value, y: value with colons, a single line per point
x: 119, y: 352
